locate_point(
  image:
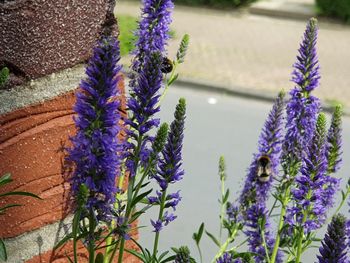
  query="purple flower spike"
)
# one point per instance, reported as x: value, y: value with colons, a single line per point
x: 302, y: 107
x: 153, y: 31
x: 257, y: 223
x: 170, y: 165
x: 266, y: 161
x: 306, y: 70
x: 334, y: 244
x: 225, y: 258
x: 143, y: 105
x: 334, y: 139
x: 96, y: 146
x: 314, y: 190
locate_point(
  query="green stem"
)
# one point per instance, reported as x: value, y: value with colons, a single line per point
x: 91, y: 246
x: 265, y: 246
x: 128, y: 210
x: 342, y: 202
x: 167, y: 84
x: 300, y: 243
x: 225, y: 245
x: 222, y: 206
x: 110, y: 240
x: 160, y: 216
x: 280, y: 224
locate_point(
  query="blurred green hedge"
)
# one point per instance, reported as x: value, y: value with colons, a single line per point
x: 335, y: 8
x: 216, y: 3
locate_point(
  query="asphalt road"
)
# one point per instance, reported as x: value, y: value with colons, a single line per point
x: 216, y: 125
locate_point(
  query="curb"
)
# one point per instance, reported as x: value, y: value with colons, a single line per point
x: 245, y: 93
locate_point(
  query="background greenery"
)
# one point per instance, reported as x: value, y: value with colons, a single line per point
x: 335, y: 8
x: 216, y: 3
x: 127, y: 25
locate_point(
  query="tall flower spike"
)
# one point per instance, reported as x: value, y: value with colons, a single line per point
x: 255, y: 189
x: 314, y: 190
x: 153, y: 31
x: 170, y: 166
x: 257, y: 230
x: 334, y: 140
x: 143, y: 106
x: 146, y: 79
x: 302, y: 107
x: 96, y: 146
x: 334, y: 244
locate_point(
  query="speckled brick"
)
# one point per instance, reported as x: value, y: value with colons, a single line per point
x: 39, y: 37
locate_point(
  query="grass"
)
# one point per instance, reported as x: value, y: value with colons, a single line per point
x: 128, y: 25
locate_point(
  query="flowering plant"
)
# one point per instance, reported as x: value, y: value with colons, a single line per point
x: 114, y: 146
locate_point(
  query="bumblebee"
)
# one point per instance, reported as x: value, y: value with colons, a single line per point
x: 264, y: 168
x: 167, y: 65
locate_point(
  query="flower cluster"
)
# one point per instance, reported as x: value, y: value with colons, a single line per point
x: 153, y: 31
x: 302, y: 108
x: 314, y: 191
x: 146, y: 79
x: 96, y: 146
x: 255, y: 188
x: 334, y: 244
x: 170, y: 167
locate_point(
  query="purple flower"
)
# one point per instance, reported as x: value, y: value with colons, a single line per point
x: 334, y: 142
x: 314, y: 190
x: 257, y: 225
x: 96, y: 146
x: 334, y: 244
x: 232, y: 212
x: 158, y: 225
x: 302, y: 107
x: 225, y: 258
x: 255, y: 189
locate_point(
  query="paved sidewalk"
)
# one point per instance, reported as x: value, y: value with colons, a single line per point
x: 246, y: 52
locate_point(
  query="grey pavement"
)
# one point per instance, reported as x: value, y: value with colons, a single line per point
x: 217, y: 124
x: 242, y: 51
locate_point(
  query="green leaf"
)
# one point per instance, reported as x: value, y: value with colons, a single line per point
x: 170, y: 258
x: 137, y: 254
x: 197, y: 236
x: 137, y: 214
x: 20, y: 193
x: 163, y: 255
x: 227, y: 194
x: 4, y: 74
x: 170, y: 81
x: 213, y: 238
x: 3, y: 253
x: 99, y: 258
x: 2, y: 209
x: 5, y: 179
x: 140, y: 197
x: 63, y: 241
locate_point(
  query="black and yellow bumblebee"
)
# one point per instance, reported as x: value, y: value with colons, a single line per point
x: 264, y: 168
x: 167, y: 65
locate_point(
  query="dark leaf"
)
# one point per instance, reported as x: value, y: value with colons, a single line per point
x: 3, y: 254
x: 213, y: 238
